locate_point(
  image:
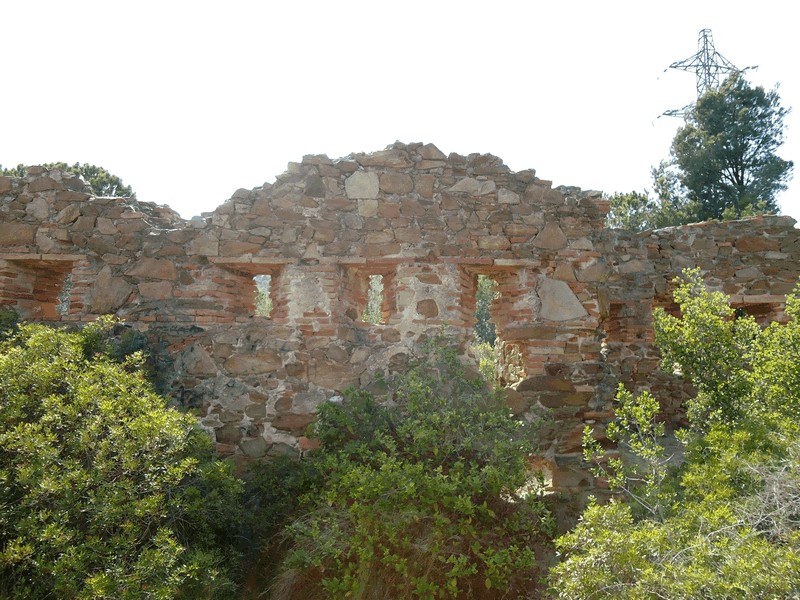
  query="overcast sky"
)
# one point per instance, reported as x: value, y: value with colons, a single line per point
x: 189, y: 101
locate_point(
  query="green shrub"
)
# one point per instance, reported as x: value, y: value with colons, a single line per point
x: 725, y: 523
x: 418, y: 494
x: 9, y: 320
x: 105, y: 492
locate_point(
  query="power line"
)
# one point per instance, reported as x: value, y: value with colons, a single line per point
x: 707, y: 65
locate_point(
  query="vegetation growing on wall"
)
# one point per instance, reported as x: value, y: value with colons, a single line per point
x: 418, y: 497
x: 726, y: 522
x: 106, y: 493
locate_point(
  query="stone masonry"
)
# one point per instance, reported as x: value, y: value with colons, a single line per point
x: 573, y: 316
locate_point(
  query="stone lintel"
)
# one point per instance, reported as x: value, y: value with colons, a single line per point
x: 19, y: 256
x: 758, y: 299
x: 250, y: 260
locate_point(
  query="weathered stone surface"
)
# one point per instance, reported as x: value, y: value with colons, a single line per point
x: 474, y: 187
x: 156, y: 290
x: 331, y: 375
x: 234, y: 248
x: 42, y: 184
x: 428, y: 308
x: 68, y: 214
x: 757, y: 244
x: 109, y: 292
x: 296, y: 423
x: 106, y: 226
x: 154, y: 268
x: 396, y: 183
x: 362, y: 184
x: 5, y: 184
x: 13, y: 234
x: 505, y: 196
x: 423, y: 185
x: 636, y: 266
x: 203, y: 244
x: 254, y: 447
x: 367, y: 207
x: 545, y: 383
x: 551, y: 237
x: 38, y: 208
x: 254, y: 362
x: 494, y: 242
x: 315, y: 187
x: 391, y: 158
x: 431, y: 152
x: 230, y: 433
x: 197, y: 361
x: 559, y: 303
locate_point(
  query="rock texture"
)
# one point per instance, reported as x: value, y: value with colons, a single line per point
x: 573, y: 316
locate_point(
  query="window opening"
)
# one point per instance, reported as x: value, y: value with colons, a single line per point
x: 373, y: 311
x: 485, y: 331
x: 62, y: 307
x: 263, y: 299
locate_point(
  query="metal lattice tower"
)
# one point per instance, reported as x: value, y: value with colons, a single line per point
x: 707, y: 65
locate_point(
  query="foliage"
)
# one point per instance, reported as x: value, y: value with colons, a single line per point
x: 487, y: 358
x: 723, y: 163
x: 18, y: 171
x: 104, y: 492
x: 9, y: 321
x: 724, y: 524
x: 101, y: 182
x: 632, y: 211
x: 271, y: 496
x: 726, y: 151
x: 637, y: 432
x: 417, y: 495
x: 638, y: 211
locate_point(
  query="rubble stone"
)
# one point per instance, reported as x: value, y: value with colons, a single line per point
x: 573, y: 315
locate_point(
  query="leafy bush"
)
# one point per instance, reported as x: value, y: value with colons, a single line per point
x: 418, y: 494
x: 9, y: 320
x: 104, y: 492
x: 725, y: 523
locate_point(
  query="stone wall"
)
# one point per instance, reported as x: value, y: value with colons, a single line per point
x: 573, y: 315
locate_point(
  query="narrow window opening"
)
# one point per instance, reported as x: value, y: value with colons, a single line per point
x: 263, y: 299
x: 373, y: 311
x: 484, y: 331
x: 62, y: 307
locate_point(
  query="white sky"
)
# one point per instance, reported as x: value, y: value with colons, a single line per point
x: 189, y: 101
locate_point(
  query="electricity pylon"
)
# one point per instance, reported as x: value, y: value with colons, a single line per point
x: 707, y: 65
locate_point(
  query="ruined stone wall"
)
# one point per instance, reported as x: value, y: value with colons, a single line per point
x: 573, y: 315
